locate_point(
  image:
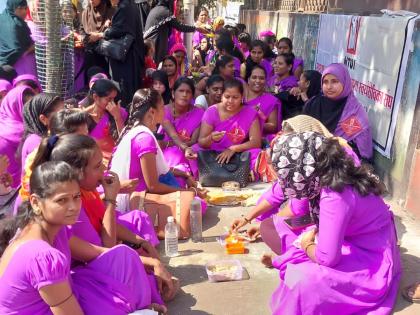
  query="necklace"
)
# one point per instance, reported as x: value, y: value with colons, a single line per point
x: 175, y: 114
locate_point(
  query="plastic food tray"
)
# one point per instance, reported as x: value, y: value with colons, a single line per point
x: 231, y: 270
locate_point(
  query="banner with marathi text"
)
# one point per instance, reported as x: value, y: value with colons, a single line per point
x: 375, y: 50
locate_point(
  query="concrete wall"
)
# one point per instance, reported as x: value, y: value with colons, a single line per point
x: 374, y: 6
x: 401, y: 172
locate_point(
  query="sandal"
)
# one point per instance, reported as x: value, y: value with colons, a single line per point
x: 409, y: 291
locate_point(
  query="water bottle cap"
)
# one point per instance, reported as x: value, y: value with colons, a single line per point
x: 170, y: 219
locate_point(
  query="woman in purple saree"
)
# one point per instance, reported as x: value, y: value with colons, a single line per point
x: 283, y: 79
x: 267, y: 106
x: 230, y: 127
x: 182, y: 126
x: 11, y: 118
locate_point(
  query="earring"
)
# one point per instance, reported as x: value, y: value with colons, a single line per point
x: 37, y: 211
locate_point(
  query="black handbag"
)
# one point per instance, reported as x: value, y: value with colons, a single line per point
x: 213, y: 174
x: 115, y: 48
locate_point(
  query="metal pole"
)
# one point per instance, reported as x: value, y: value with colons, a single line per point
x: 189, y: 20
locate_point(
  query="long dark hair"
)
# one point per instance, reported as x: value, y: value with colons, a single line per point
x: 336, y: 170
x: 249, y: 63
x: 162, y: 77
x: 314, y: 78
x: 42, y: 183
x: 143, y: 100
x: 67, y: 121
x: 102, y: 88
x: 74, y: 149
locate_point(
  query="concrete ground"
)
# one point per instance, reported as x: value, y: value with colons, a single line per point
x: 200, y: 297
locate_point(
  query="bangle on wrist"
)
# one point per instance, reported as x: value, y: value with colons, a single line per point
x: 111, y: 201
x: 307, y: 246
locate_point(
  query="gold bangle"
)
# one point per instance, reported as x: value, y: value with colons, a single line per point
x: 307, y: 246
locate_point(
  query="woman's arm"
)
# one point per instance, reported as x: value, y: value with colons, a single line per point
x: 243, y: 71
x: 60, y: 298
x: 84, y: 251
x: 170, y: 130
x: 148, y: 167
x: 194, y: 137
x: 270, y: 125
x: 109, y: 230
x: 182, y: 27
x: 205, y: 139
x: 254, y: 139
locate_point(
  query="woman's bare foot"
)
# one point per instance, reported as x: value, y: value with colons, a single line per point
x: 412, y: 293
x: 267, y: 260
x: 168, y: 296
x: 161, y: 309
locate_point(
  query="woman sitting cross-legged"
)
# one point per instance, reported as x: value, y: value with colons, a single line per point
x: 138, y: 154
x: 230, y: 127
x: 182, y: 125
x: 348, y: 261
x: 36, y: 251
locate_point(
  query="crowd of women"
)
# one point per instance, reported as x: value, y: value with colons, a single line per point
x: 70, y: 168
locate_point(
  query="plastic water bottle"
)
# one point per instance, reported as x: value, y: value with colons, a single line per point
x: 171, y: 238
x: 196, y: 222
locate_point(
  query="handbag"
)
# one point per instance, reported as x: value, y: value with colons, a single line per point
x: 160, y: 207
x: 115, y: 48
x: 213, y: 174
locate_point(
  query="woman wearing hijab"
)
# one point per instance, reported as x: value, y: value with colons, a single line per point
x: 95, y: 19
x: 11, y: 118
x: 347, y: 260
x: 294, y: 99
x: 159, y: 24
x: 16, y: 45
x: 340, y: 111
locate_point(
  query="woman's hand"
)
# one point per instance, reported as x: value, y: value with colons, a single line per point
x: 94, y: 37
x: 216, y: 136
x: 237, y: 224
x: 111, y: 185
x: 308, y: 237
x: 190, y: 154
x: 164, y: 278
x: 225, y: 156
x: 4, y: 163
x: 128, y: 186
x: 295, y: 91
x: 148, y: 249
x: 191, y: 182
x: 199, y: 192
x: 114, y: 109
x: 107, y: 23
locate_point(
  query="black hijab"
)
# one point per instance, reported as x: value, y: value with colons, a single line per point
x: 15, y: 37
x: 326, y: 110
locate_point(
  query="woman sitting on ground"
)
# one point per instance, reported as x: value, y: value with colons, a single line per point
x: 214, y: 89
x: 170, y: 66
x: 340, y: 111
x: 285, y: 46
x: 36, y: 116
x: 37, y: 249
x: 229, y: 127
x: 353, y: 240
x: 283, y: 79
x: 267, y: 106
x: 182, y: 125
x: 107, y: 117
x: 138, y: 154
x: 256, y: 57
x: 161, y: 84
x: 100, y: 223
x: 293, y: 100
